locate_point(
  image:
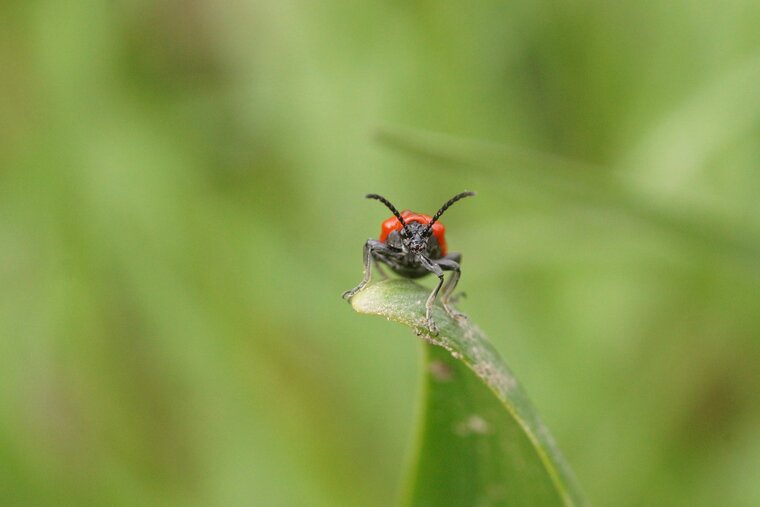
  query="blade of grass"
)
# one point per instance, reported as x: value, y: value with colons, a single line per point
x: 481, y: 440
x: 582, y: 183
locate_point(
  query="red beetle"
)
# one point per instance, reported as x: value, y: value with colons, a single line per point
x: 414, y: 245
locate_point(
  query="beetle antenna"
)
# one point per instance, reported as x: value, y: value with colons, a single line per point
x: 444, y: 208
x: 390, y: 207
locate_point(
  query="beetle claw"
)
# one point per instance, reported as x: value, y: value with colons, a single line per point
x: 432, y: 327
x: 350, y: 293
x: 456, y: 315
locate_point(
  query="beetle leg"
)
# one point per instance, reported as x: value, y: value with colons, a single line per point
x: 449, y: 264
x: 372, y: 245
x: 437, y: 271
x: 453, y: 256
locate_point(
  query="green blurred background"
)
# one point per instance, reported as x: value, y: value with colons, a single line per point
x: 181, y: 205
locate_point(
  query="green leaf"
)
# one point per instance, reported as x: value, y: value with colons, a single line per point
x: 481, y: 442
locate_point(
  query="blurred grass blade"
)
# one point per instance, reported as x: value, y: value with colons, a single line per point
x: 680, y: 146
x: 481, y: 441
x: 575, y: 178
x: 585, y: 184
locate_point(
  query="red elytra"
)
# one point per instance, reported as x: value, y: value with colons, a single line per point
x: 392, y: 224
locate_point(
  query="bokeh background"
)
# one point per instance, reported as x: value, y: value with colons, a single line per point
x: 181, y: 205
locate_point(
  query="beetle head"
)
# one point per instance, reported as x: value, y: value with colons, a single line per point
x: 414, y: 237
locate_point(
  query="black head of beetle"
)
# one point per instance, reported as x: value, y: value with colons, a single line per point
x: 414, y: 239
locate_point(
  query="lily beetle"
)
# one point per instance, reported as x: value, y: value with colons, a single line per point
x: 414, y: 245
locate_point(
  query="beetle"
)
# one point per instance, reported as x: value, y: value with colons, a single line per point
x: 414, y: 245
